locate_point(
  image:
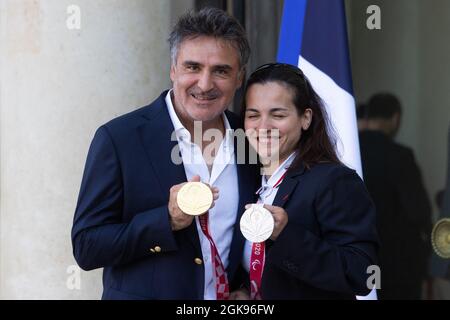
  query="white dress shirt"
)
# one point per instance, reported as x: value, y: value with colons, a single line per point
x: 223, y: 176
x: 267, y: 194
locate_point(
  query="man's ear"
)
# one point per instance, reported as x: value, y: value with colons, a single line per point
x: 397, y: 117
x: 394, y: 124
x: 172, y: 72
x: 241, y: 77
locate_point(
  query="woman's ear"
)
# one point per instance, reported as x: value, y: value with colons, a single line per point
x: 306, y: 119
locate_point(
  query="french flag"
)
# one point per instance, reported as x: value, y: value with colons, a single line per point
x: 314, y: 37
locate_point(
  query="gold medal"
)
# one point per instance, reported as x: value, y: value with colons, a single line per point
x: 194, y: 198
x: 440, y: 238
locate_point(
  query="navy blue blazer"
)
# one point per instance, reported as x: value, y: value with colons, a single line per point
x: 122, y: 221
x: 330, y: 238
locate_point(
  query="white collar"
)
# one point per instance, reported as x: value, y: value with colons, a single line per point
x: 277, y: 175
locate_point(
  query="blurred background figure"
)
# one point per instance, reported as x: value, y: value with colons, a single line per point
x: 394, y: 181
x: 361, y: 116
x: 440, y: 199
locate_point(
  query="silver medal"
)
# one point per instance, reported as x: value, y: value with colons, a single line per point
x: 257, y: 223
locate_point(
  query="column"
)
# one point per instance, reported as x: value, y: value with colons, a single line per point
x: 58, y: 83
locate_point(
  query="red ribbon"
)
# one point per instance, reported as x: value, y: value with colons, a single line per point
x: 222, y: 286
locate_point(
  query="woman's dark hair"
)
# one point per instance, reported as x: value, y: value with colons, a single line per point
x: 318, y: 143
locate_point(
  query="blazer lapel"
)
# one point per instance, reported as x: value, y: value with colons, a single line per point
x: 285, y: 191
x: 287, y: 187
x: 156, y: 137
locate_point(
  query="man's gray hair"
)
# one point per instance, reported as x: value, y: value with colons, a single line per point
x: 210, y: 22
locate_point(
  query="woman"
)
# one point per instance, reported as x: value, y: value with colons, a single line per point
x: 324, y: 236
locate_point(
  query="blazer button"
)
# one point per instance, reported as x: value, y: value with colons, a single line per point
x: 158, y: 249
x: 198, y: 261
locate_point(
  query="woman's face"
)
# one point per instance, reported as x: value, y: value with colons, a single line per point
x: 272, y: 123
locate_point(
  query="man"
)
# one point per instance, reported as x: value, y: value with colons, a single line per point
x: 127, y: 219
x: 394, y: 181
x: 361, y: 116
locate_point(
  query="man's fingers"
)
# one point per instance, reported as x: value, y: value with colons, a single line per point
x: 195, y: 178
x: 174, y: 189
x: 215, y: 190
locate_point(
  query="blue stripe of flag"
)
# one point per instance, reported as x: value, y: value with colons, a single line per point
x: 325, y: 41
x: 317, y: 31
x: 290, y: 41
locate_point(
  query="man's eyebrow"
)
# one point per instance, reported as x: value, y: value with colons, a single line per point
x: 190, y: 63
x: 223, y: 67
x: 251, y: 110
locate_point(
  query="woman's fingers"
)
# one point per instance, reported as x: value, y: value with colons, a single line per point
x: 274, y: 209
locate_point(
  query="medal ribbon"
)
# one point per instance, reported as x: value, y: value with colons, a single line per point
x: 222, y: 287
x: 257, y: 258
x: 256, y: 269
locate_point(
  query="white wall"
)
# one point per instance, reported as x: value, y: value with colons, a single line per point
x: 57, y: 86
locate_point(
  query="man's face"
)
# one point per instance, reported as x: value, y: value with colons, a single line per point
x: 396, y: 119
x: 205, y: 77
